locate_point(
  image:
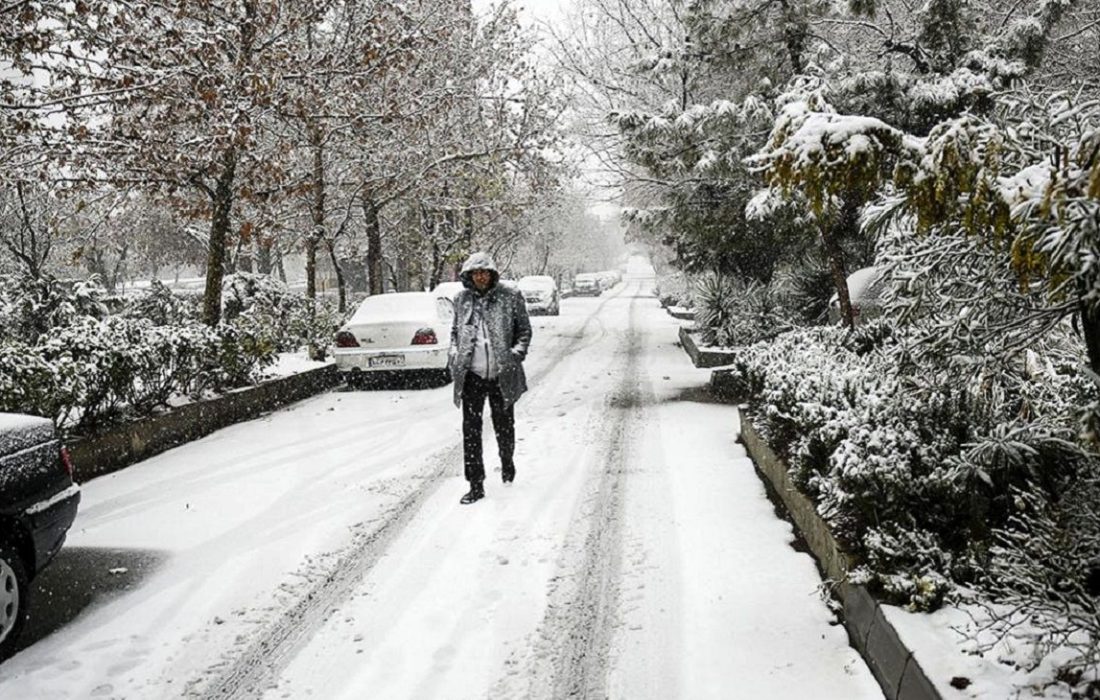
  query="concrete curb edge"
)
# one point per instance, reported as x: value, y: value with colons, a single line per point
x: 892, y: 663
x: 703, y: 358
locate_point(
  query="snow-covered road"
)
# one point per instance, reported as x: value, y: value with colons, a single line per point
x: 322, y: 552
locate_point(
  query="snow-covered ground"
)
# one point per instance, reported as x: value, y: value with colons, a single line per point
x: 321, y: 551
x: 288, y: 363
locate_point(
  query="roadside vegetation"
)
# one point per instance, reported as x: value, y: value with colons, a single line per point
x: 776, y: 148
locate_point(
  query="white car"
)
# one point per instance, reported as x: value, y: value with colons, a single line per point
x: 609, y: 278
x: 447, y: 290
x: 402, y: 332
x: 866, y: 288
x: 541, y: 294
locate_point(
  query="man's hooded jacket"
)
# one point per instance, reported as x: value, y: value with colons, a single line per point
x: 509, y: 328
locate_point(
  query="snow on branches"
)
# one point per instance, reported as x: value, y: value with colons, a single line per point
x: 822, y: 154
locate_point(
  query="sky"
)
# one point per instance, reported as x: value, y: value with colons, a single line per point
x: 537, y: 10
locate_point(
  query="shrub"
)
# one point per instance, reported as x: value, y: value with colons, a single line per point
x: 31, y: 306
x: 914, y: 470
x: 85, y: 370
x: 160, y: 306
x: 273, y: 313
x: 732, y: 313
x: 674, y: 289
x: 1046, y: 561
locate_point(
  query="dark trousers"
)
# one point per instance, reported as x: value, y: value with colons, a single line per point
x: 474, y: 391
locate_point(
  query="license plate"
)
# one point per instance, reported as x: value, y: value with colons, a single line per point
x: 386, y: 361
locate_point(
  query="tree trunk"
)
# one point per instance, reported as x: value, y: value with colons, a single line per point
x: 341, y: 285
x: 119, y: 272
x: 401, y: 273
x: 438, y: 261
x: 263, y: 257
x: 1090, y: 328
x: 219, y: 232
x: 847, y: 218
x: 375, y: 273
x: 317, y: 212
x: 794, y: 37
x: 244, y: 254
x: 279, y: 267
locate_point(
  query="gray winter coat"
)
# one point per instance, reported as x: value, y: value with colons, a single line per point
x: 509, y: 331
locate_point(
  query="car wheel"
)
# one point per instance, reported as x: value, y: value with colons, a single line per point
x: 14, y: 598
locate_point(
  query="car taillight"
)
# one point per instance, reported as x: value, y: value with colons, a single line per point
x: 345, y: 339
x: 67, y: 461
x: 425, y: 336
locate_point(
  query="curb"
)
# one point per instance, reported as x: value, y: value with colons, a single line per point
x: 682, y: 315
x: 704, y: 358
x: 121, y: 446
x: 892, y: 663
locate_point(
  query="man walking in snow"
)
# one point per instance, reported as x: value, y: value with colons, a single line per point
x: 489, y: 339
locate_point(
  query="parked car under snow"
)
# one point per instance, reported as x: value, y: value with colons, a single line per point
x: 402, y: 332
x: 38, y: 502
x: 587, y: 284
x: 866, y: 288
x: 448, y: 290
x: 541, y: 294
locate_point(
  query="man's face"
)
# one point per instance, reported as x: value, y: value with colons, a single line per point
x: 481, y: 279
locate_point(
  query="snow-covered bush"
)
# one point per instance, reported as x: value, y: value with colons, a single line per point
x: 28, y: 384
x: 1046, y: 561
x: 674, y: 289
x: 31, y: 306
x: 913, y: 470
x: 271, y: 311
x: 161, y: 306
x: 69, y: 361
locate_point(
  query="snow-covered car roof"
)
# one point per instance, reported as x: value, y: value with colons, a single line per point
x: 866, y: 283
x: 537, y: 281
x: 19, y: 431
x: 448, y: 289
x: 397, y: 306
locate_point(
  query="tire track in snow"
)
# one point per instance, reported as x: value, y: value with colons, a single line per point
x: 249, y: 673
x: 574, y: 642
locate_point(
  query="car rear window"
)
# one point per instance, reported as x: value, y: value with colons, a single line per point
x: 19, y: 432
x: 404, y: 305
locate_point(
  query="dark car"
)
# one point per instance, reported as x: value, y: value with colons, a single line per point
x: 38, y: 502
x: 587, y: 284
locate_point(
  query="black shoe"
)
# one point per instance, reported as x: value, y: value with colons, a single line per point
x: 476, y: 493
x: 508, y: 474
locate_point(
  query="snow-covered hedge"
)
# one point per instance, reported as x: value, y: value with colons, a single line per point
x: 65, y: 358
x: 918, y: 473
x: 674, y: 289
x: 261, y: 301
